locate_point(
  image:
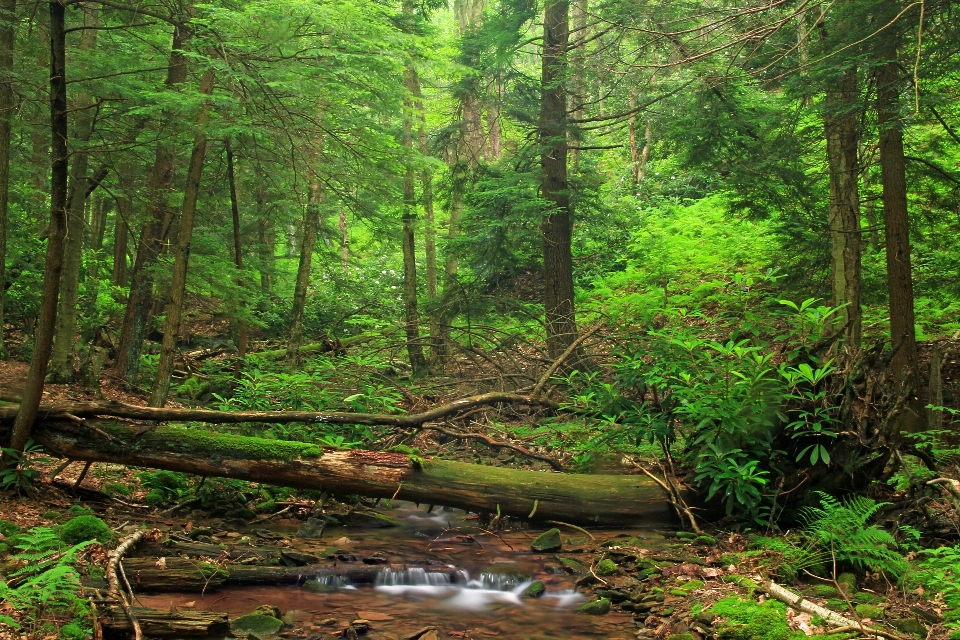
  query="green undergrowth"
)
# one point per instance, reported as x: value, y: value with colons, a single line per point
x: 744, y: 619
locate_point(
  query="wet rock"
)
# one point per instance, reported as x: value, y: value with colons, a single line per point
x: 572, y: 565
x: 606, y: 567
x: 256, y: 625
x: 595, y: 608
x: 871, y: 611
x: 504, y: 575
x: 316, y: 586
x: 194, y: 534
x: 535, y: 590
x: 311, y: 528
x: 268, y: 610
x: 578, y: 542
x: 548, y: 541
x: 368, y: 519
x: 422, y: 634
x: 615, y: 596
x: 289, y: 558
x: 377, y: 558
x: 704, y: 617
x: 361, y: 625
x: 910, y: 625
x: 646, y: 633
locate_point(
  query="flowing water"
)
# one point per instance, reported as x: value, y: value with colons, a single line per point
x: 468, y: 584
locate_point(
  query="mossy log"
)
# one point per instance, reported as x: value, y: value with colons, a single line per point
x: 184, y: 575
x: 578, y: 499
x: 166, y: 624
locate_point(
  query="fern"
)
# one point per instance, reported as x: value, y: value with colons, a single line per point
x: 842, y: 529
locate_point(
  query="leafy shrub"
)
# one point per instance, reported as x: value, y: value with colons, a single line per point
x: 938, y: 572
x: 86, y: 528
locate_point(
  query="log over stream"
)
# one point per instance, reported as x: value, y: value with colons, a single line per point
x: 604, y: 500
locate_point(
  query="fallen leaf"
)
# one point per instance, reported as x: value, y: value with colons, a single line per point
x: 190, y: 604
x: 162, y: 563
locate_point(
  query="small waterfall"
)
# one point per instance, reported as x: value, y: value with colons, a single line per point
x: 417, y: 577
x: 334, y: 582
x: 501, y: 581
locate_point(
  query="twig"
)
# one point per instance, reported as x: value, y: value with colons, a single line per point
x: 553, y: 462
x: 270, y: 516
x: 674, y: 497
x: 563, y: 356
x: 498, y: 538
x: 61, y: 469
x: 180, y: 505
x: 572, y: 526
x: 83, y: 474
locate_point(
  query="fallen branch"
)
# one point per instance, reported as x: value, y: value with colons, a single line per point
x: 491, y: 442
x: 563, y: 356
x: 120, y: 410
x: 114, y: 583
x: 800, y: 603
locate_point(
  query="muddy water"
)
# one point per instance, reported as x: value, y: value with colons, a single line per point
x: 483, y: 598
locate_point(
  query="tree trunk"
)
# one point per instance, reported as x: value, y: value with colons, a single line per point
x: 237, y: 245
x: 311, y: 220
x: 167, y: 624
x: 267, y: 237
x: 8, y: 16
x: 579, y: 499
x: 59, y: 169
x: 61, y: 363
x: 411, y: 315
x: 841, y: 125
x: 897, y: 223
x: 578, y: 57
x: 494, y: 126
x: 140, y: 300
x: 634, y: 153
x: 181, y: 252
x: 119, y: 276
x: 557, y: 225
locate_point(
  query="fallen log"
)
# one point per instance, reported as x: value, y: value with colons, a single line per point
x: 168, y: 624
x: 579, y: 499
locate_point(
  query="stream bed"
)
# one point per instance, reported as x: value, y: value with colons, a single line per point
x: 467, y: 582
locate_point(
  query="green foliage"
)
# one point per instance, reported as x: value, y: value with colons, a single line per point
x: 746, y: 620
x: 19, y: 473
x: 841, y: 528
x: 937, y: 571
x: 86, y: 528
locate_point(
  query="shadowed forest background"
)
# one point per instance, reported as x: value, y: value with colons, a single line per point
x: 712, y: 244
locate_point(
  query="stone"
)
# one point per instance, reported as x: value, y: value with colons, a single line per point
x: 376, y: 558
x: 194, y: 534
x: 368, y: 519
x: 910, y: 625
x: 256, y: 625
x: 615, y: 596
x: 547, y: 542
x: 291, y: 558
x: 871, y: 611
x: 535, y: 590
x: 571, y: 564
x: 578, y: 541
x: 311, y: 528
x: 606, y: 568
x: 268, y: 610
x: 848, y: 583
x: 595, y: 608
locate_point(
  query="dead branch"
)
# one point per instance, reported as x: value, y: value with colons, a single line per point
x: 491, y: 442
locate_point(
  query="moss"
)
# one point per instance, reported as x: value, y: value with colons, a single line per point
x: 8, y: 528
x: 535, y: 590
x: 570, y: 563
x: 73, y: 631
x: 78, y: 510
x: 416, y: 462
x: 707, y: 541
x: 155, y: 498
x: 256, y: 625
x: 821, y: 591
x: 681, y: 636
x: 83, y: 528
x: 117, y: 488
x: 402, y: 448
x: 606, y: 567
x: 865, y: 597
x: 686, y: 535
x: 595, y: 608
x: 4, y: 549
x: 745, y: 583
x: 746, y: 620
x: 216, y: 446
x: 871, y: 611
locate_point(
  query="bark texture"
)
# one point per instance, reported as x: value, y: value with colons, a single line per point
x: 237, y: 243
x: 119, y: 276
x: 181, y: 259
x: 46, y: 322
x: 159, y: 218
x: 579, y: 499
x: 311, y: 221
x: 411, y: 313
x: 61, y: 363
x: 8, y: 13
x: 557, y: 226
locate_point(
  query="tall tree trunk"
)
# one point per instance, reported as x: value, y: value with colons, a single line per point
x: 842, y: 132
x: 645, y: 154
x: 59, y: 169
x: 411, y: 314
x: 98, y: 222
x: 8, y: 16
x: 904, y: 364
x: 181, y: 251
x: 578, y: 57
x: 140, y: 300
x: 634, y: 153
x: 557, y: 225
x: 494, y: 126
x: 311, y: 221
x: 237, y: 244
x: 61, y: 364
x: 429, y: 222
x: 124, y: 209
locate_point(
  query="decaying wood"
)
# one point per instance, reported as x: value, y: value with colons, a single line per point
x: 578, y: 499
x: 497, y: 444
x: 113, y: 564
x: 121, y: 410
x: 168, y: 624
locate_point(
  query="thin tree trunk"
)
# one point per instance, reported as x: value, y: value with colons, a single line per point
x: 645, y: 154
x: 411, y: 315
x: 577, y: 56
x: 429, y: 222
x: 61, y: 364
x: 8, y: 15
x: 311, y: 220
x: 181, y: 252
x: 634, y: 153
x: 494, y: 126
x: 119, y: 276
x: 557, y: 225
x: 904, y: 364
x: 59, y: 169
x: 237, y: 244
x: 344, y: 239
x: 841, y: 125
x: 140, y: 300
x: 98, y: 222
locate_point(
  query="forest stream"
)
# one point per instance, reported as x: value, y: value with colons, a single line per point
x: 487, y: 594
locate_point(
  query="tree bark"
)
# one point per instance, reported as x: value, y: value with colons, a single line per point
x: 311, y: 220
x: 59, y: 169
x: 181, y: 259
x: 119, y: 276
x: 168, y: 624
x: 140, y: 300
x: 267, y: 236
x: 61, y: 363
x: 580, y: 499
x: 578, y: 58
x: 904, y: 364
x: 411, y: 314
x: 841, y: 126
x: 557, y: 225
x: 8, y: 33
x: 237, y: 245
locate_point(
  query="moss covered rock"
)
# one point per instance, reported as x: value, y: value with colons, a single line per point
x: 606, y: 567
x: 871, y: 611
x: 847, y: 582
x: 743, y: 619
x: 83, y: 528
x: 535, y: 590
x: 255, y: 624
x: 595, y: 608
x: 547, y: 541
